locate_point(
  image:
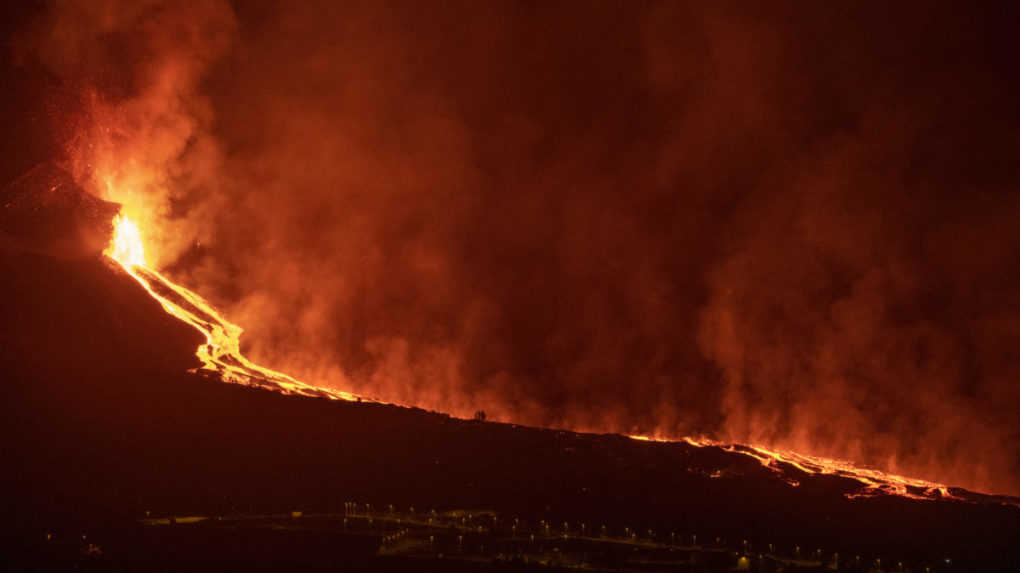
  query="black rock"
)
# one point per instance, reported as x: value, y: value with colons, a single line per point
x: 46, y: 211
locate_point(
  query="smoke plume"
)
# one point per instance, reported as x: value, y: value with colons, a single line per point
x: 787, y: 224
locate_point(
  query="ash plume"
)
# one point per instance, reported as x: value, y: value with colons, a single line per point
x: 129, y: 108
x: 793, y: 225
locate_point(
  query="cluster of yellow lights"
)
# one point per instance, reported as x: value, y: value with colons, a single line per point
x: 221, y: 354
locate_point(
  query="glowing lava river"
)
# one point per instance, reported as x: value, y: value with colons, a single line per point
x: 221, y: 356
x: 221, y: 352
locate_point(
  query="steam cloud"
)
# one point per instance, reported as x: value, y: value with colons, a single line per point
x: 791, y: 225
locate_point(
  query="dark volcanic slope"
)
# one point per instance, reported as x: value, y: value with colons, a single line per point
x: 103, y: 422
x: 45, y: 211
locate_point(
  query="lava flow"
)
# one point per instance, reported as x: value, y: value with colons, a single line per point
x: 221, y: 352
x: 873, y: 482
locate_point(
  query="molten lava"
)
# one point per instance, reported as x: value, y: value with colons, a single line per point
x: 221, y: 352
x: 874, y: 482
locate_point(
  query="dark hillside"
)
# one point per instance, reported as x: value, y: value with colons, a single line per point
x: 103, y: 422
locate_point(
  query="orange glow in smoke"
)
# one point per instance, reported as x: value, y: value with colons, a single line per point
x: 221, y: 352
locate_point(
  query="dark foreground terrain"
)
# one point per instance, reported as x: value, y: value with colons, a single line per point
x: 108, y: 442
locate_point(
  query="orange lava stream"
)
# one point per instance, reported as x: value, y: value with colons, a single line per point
x: 874, y: 482
x: 221, y: 352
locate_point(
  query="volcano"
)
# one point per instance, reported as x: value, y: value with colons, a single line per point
x: 110, y: 421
